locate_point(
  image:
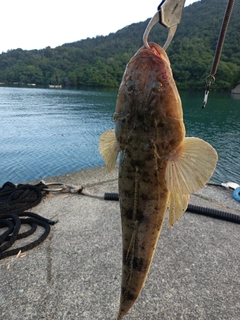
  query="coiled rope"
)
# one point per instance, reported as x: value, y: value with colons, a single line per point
x: 13, y: 201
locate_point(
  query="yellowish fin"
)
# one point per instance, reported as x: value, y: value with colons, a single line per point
x: 188, y: 170
x: 109, y: 148
x: 191, y: 166
x: 177, y: 206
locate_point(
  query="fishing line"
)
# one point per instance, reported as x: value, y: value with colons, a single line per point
x: 211, y: 77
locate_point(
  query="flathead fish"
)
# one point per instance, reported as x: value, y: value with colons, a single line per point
x: 158, y: 167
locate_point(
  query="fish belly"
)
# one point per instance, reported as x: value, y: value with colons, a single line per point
x: 143, y: 201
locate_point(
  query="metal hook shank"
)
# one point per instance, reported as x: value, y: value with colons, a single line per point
x: 169, y: 15
x: 151, y: 23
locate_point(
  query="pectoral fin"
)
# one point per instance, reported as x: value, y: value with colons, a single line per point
x: 109, y: 148
x: 188, y: 170
x: 191, y: 166
x: 177, y: 206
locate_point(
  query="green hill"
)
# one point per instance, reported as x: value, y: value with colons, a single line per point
x: 101, y: 61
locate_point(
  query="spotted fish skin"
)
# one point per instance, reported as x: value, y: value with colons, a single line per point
x: 158, y: 168
x: 144, y: 131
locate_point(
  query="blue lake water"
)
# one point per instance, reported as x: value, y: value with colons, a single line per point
x: 48, y: 132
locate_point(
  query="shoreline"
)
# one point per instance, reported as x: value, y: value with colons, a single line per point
x: 213, y: 194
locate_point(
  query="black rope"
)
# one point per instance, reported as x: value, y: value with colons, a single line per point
x: 16, y: 236
x: 20, y: 198
x: 15, y: 229
x: 13, y: 201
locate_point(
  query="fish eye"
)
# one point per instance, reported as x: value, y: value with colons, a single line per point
x: 157, y: 86
x: 130, y: 85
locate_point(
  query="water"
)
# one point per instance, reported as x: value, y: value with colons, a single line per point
x: 218, y: 124
x: 48, y: 132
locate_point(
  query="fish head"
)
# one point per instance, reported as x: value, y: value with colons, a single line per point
x: 148, y: 98
x: 148, y: 80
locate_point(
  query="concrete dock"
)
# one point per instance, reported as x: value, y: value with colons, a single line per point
x: 75, y: 274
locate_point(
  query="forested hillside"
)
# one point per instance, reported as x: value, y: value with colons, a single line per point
x: 101, y: 61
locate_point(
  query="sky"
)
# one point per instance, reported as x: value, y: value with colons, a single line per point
x: 29, y: 24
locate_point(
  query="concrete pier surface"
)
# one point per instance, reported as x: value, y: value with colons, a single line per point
x: 76, y: 272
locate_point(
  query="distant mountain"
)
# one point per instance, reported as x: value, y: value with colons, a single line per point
x: 101, y: 61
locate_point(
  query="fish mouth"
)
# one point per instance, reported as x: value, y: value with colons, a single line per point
x: 153, y: 49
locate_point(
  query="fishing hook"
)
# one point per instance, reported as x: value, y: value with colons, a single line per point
x: 169, y: 15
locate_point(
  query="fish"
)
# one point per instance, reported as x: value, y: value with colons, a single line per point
x: 159, y: 167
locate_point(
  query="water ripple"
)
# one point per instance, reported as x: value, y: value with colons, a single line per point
x: 48, y: 132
